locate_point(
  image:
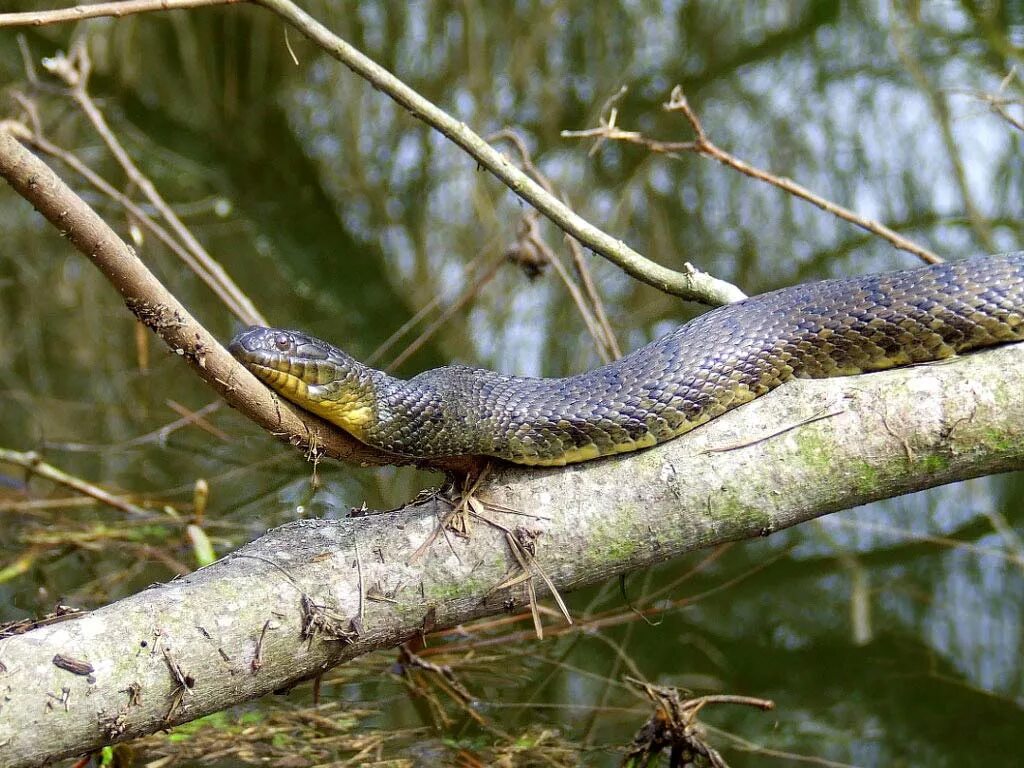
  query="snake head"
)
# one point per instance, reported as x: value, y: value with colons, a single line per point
x: 273, y: 353
x: 313, y: 374
x: 265, y: 344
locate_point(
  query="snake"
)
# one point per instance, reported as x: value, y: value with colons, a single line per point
x: 716, y: 362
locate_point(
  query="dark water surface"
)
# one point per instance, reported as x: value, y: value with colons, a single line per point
x: 887, y: 635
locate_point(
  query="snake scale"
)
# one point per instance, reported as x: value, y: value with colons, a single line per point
x: 714, y: 363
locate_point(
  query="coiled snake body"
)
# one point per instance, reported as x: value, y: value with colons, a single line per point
x: 712, y: 364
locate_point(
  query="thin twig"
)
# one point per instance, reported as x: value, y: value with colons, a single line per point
x: 532, y: 236
x: 362, y: 591
x: 155, y: 436
x: 827, y: 412
x: 116, y: 9
x: 188, y: 416
x: 940, y: 110
x: 527, y: 563
x: 701, y: 145
x: 74, y: 70
x: 37, y: 507
x: 485, y: 276
x: 420, y: 314
x: 32, y: 462
x: 1001, y: 110
x: 595, y: 299
x: 999, y: 103
x: 608, y: 346
x: 44, y: 145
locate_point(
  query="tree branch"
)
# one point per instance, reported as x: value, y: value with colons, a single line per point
x: 162, y: 313
x: 116, y: 9
x: 689, y: 283
x: 702, y: 145
x: 33, y: 463
x: 193, y: 646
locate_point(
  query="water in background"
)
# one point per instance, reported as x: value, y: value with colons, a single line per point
x: 890, y: 634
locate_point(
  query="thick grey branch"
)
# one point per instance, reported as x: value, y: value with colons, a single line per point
x: 809, y: 448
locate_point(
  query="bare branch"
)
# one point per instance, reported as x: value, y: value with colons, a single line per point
x: 944, y: 122
x: 677, y: 102
x: 688, y: 283
x: 472, y: 276
x: 33, y: 462
x: 600, y: 329
x: 999, y: 103
x: 160, y: 311
x: 116, y: 9
x: 479, y: 280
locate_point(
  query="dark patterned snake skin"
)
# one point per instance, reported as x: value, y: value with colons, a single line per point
x: 712, y: 364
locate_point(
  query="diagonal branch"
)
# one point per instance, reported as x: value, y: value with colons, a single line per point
x: 688, y: 283
x: 161, y: 312
x: 702, y: 145
x: 32, y: 462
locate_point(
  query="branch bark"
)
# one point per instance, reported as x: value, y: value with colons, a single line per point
x: 184, y: 649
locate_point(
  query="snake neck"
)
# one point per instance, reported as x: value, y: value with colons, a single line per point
x: 354, y: 399
x: 413, y: 418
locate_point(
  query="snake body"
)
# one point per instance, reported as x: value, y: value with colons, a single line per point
x: 708, y: 366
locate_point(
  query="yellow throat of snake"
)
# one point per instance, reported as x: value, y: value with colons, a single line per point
x: 305, y: 372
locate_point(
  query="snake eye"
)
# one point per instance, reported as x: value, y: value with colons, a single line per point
x: 283, y: 342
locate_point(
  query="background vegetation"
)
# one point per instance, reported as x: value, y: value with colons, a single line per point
x: 890, y: 634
